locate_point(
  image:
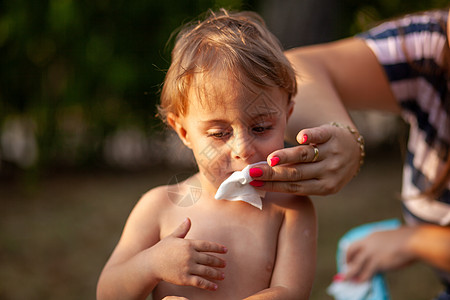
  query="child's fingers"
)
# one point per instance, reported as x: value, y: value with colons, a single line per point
x: 206, y: 246
x: 202, y: 283
x: 183, y: 229
x: 210, y: 260
x: 207, y: 272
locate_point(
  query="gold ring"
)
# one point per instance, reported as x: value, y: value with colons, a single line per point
x: 316, y: 153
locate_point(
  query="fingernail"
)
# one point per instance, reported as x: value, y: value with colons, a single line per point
x: 338, y: 277
x: 255, y: 172
x: 304, y: 139
x: 215, y: 287
x: 256, y: 183
x: 274, y: 161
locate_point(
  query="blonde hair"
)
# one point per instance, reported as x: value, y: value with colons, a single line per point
x: 236, y: 44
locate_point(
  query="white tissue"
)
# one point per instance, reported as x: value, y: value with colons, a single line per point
x: 349, y: 290
x: 237, y: 188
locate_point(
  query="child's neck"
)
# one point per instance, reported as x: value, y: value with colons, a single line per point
x: 209, y: 189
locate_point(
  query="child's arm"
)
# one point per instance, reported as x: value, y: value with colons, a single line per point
x: 140, y: 260
x: 293, y: 275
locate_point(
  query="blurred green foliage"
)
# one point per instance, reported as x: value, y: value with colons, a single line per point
x: 75, y: 71
x: 360, y: 15
x: 80, y: 69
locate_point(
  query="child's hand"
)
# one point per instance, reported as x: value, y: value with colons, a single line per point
x: 185, y: 262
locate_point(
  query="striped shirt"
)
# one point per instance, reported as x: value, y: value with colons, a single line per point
x: 424, y: 99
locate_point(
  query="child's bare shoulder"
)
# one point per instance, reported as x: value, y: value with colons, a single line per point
x: 155, y: 199
x: 143, y: 224
x: 165, y: 197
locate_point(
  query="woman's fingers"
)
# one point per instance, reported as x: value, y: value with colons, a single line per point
x: 361, y: 262
x: 304, y: 179
x: 294, y: 155
x: 355, y: 264
x: 316, y: 135
x: 368, y: 271
x: 287, y: 172
x: 304, y: 187
x: 308, y: 139
x: 361, y: 270
x: 327, y: 159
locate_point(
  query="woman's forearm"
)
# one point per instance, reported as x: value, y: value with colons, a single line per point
x: 431, y: 243
x: 334, y: 77
x: 317, y: 101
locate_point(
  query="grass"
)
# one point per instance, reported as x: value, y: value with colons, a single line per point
x: 56, y: 237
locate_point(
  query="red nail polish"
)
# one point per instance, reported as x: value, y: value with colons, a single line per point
x: 255, y: 172
x: 304, y: 139
x: 274, y: 161
x: 338, y: 277
x: 256, y: 183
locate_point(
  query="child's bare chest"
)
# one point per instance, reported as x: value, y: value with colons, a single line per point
x: 250, y: 235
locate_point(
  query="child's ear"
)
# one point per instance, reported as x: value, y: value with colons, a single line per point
x: 290, y: 109
x: 176, y: 123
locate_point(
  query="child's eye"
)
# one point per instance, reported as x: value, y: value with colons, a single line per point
x: 218, y: 134
x: 261, y: 129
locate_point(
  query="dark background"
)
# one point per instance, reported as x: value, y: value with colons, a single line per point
x: 79, y: 140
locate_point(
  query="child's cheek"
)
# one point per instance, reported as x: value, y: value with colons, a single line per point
x: 214, y: 167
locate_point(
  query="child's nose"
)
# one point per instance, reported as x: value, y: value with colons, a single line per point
x: 243, y: 146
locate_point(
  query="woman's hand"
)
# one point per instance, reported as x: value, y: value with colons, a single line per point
x: 379, y: 252
x: 185, y: 262
x: 296, y: 170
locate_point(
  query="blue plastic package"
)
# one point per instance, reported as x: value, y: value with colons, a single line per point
x: 376, y: 288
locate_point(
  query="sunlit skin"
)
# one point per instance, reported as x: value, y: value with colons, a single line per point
x: 334, y: 77
x: 395, y: 249
x: 229, y: 137
x: 224, y: 250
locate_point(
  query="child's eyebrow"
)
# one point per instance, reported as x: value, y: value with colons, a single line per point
x: 213, y: 121
x: 266, y: 114
x: 256, y: 116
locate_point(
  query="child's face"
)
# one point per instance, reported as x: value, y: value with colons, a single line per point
x: 241, y: 127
